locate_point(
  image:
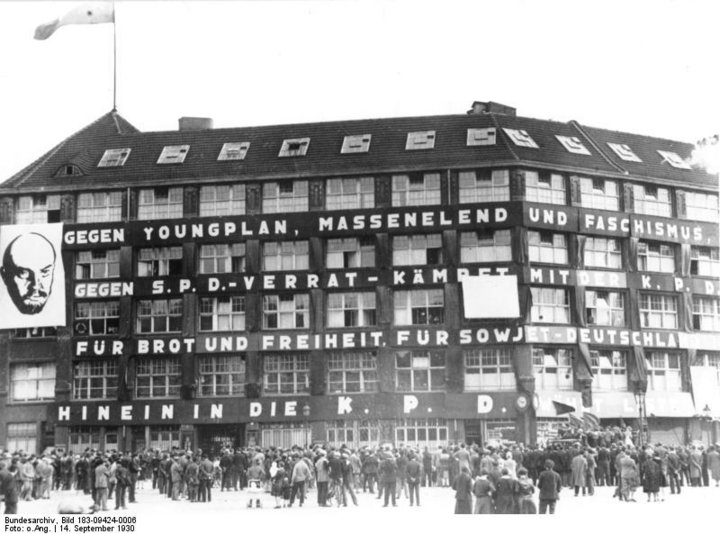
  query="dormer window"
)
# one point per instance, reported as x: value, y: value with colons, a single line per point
x: 69, y: 170
x: 356, y: 143
x: 573, y: 145
x: 173, y: 154
x: 114, y: 157
x: 420, y: 140
x: 294, y: 147
x: 481, y: 136
x: 234, y: 151
x: 674, y: 160
x: 624, y: 152
x: 520, y: 138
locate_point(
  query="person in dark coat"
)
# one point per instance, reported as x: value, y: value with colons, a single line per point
x: 526, y: 488
x: 414, y: 476
x: 122, y: 481
x: 484, y: 491
x: 463, y: 492
x: 507, y: 490
x: 9, y: 487
x: 651, y: 477
x: 549, y: 486
x: 388, y: 477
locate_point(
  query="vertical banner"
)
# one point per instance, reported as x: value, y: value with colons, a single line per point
x: 32, y: 292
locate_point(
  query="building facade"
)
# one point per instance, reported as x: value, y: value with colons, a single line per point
x: 291, y: 284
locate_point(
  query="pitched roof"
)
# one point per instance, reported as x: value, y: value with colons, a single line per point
x: 387, y: 152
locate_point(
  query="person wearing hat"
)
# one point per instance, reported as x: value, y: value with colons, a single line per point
x: 651, y: 476
x: 256, y: 477
x: 9, y: 486
x: 463, y: 491
x: 322, y: 477
x: 300, y: 476
x: 388, y: 477
x: 414, y: 475
x: 549, y: 486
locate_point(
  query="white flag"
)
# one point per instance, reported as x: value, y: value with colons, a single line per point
x: 32, y: 286
x: 92, y: 13
x: 490, y: 297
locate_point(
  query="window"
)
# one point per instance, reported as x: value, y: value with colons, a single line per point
x: 97, y: 318
x: 420, y: 140
x: 602, y: 252
x: 573, y: 145
x: 159, y: 316
x: 655, y: 257
x: 481, y: 136
x: 553, y: 368
x: 350, y: 253
x: 353, y: 144
x: 222, y: 376
x: 68, y: 170
x: 420, y: 306
x: 652, y: 200
x: 705, y: 261
x: 701, y: 207
x: 350, y: 193
x: 658, y: 311
x: 599, y: 194
x: 234, y: 151
x: 286, y: 374
x: 284, y: 197
x: 161, y: 261
x: 32, y: 333
x: 285, y: 256
x: 351, y: 309
x: 484, y: 186
x: 489, y: 368
x: 485, y: 246
x: 352, y: 372
x: 710, y: 359
x: 294, y: 147
x: 605, y: 308
x: 664, y: 371
x: 96, y: 379
x: 545, y: 188
x: 547, y: 247
x: 421, y: 433
x: 222, y: 313
x: 419, y: 370
x: 286, y: 436
x: 157, y: 377
x: 160, y: 203
x: 222, y: 258
x: 609, y: 369
x: 624, y: 152
x: 32, y: 381
x: 286, y: 311
x: 164, y: 437
x: 520, y: 138
x: 550, y: 305
x: 706, y: 313
x: 97, y: 264
x: 99, y: 207
x: 218, y: 200
x: 114, y: 157
x: 417, y: 249
x: 416, y: 189
x: 22, y: 437
x: 84, y: 438
x: 674, y: 160
x: 354, y: 434
x: 38, y: 209
x: 173, y: 154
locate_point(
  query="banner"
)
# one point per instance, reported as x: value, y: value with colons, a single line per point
x: 32, y: 293
x: 490, y: 297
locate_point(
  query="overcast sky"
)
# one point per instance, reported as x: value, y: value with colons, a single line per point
x: 641, y: 66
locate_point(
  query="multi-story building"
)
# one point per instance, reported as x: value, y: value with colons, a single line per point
x: 308, y: 282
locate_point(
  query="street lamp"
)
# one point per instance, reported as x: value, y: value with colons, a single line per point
x: 306, y: 426
x: 642, y: 417
x: 707, y: 419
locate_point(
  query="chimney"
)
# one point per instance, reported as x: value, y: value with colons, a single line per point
x: 195, y: 123
x: 479, y: 108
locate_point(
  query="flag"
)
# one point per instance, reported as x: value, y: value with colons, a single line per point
x: 561, y: 408
x: 575, y: 421
x: 92, y: 13
x: 591, y: 420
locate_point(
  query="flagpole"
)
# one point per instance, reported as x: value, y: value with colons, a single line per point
x: 114, y: 108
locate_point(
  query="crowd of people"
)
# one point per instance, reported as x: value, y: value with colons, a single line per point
x: 490, y: 479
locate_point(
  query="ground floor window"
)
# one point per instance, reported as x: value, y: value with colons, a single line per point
x: 354, y: 434
x: 164, y: 437
x: 432, y: 433
x: 285, y: 436
x: 547, y: 430
x: 82, y: 438
x: 22, y: 437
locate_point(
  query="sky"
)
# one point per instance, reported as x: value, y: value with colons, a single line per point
x: 639, y: 66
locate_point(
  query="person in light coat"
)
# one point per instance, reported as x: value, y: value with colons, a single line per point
x: 713, y: 461
x: 579, y: 467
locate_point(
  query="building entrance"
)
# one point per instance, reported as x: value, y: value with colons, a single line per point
x: 213, y: 438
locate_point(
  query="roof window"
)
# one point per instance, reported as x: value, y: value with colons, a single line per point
x: 520, y: 138
x: 420, y: 140
x: 573, y: 145
x: 173, y: 154
x: 624, y: 152
x: 69, y: 170
x: 481, y: 136
x: 675, y: 160
x: 233, y: 151
x: 114, y: 157
x: 356, y: 143
x: 294, y: 147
